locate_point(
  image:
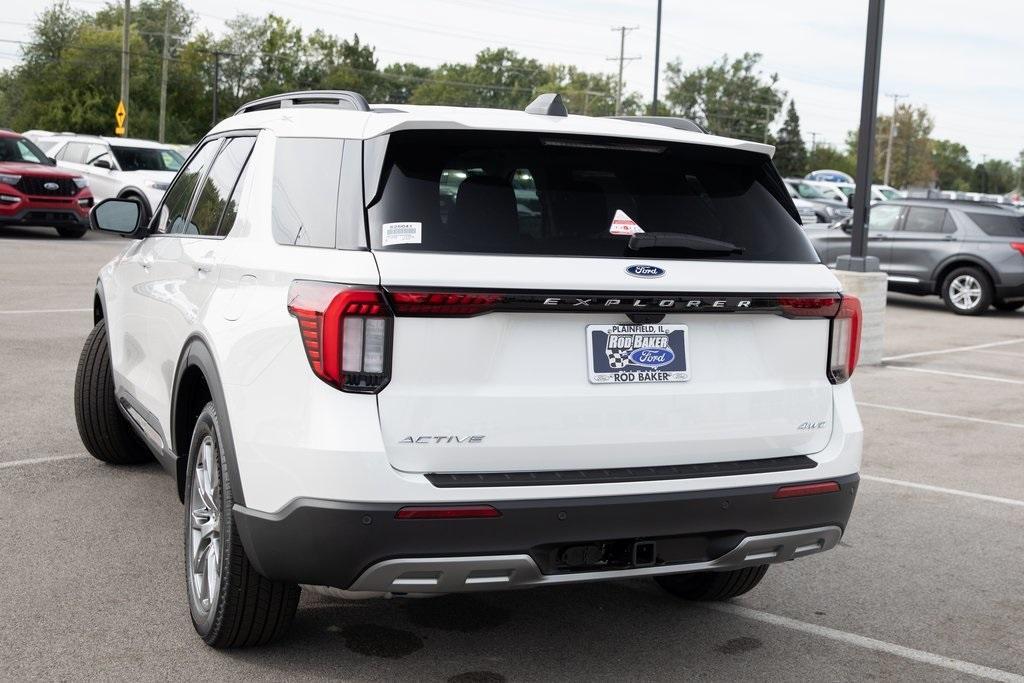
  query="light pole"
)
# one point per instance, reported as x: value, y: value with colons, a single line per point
x: 657, y: 62
x: 858, y: 260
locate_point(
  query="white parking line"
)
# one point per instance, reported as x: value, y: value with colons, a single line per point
x: 963, y: 375
x: 928, y: 413
x: 953, y: 350
x: 856, y: 640
x: 47, y: 310
x: 941, y: 489
x: 37, y: 461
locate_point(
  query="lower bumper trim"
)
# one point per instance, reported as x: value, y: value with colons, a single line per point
x: 495, y: 572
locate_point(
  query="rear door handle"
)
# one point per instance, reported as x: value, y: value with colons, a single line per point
x: 205, y: 266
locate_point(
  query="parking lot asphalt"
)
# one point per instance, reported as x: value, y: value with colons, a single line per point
x: 925, y: 584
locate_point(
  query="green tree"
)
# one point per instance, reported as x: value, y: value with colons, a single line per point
x: 994, y: 176
x: 911, y: 149
x: 952, y: 165
x: 498, y: 78
x: 790, y: 151
x: 727, y: 97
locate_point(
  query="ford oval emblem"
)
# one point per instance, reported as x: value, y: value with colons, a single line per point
x: 645, y: 271
x: 653, y: 358
x: 51, y: 186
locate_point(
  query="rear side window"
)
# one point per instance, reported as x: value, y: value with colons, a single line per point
x: 535, y: 194
x: 307, y: 176
x: 174, y: 210
x: 999, y: 224
x: 924, y: 219
x: 214, y: 201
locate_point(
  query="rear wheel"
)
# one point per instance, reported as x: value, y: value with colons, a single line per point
x: 104, y: 429
x: 712, y: 586
x: 69, y: 232
x: 1001, y: 305
x: 967, y: 291
x: 231, y: 604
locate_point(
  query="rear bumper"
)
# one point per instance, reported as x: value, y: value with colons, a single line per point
x: 362, y: 546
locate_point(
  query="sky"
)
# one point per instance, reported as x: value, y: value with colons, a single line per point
x: 962, y: 60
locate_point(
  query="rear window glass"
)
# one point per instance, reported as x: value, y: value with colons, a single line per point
x: 534, y: 194
x: 999, y: 224
x: 307, y: 172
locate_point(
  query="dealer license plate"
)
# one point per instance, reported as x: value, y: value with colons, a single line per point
x: 627, y: 354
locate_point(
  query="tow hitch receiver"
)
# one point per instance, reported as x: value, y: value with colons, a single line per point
x: 644, y: 553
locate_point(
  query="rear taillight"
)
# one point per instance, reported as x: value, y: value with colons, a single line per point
x: 346, y: 332
x: 844, y: 340
x: 809, y: 306
x: 1019, y: 246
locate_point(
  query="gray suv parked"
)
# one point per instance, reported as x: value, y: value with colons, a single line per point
x: 970, y: 254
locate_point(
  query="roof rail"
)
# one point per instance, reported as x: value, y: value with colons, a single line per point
x: 341, y: 99
x: 548, y: 104
x: 677, y: 122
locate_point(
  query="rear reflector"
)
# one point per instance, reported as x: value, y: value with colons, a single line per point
x: 344, y: 332
x: 447, y: 512
x: 1019, y: 246
x: 807, y: 489
x: 844, y: 340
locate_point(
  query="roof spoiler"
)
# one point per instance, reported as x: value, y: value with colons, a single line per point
x: 677, y: 122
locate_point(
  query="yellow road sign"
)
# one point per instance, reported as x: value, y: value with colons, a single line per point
x: 119, y: 130
x: 120, y: 115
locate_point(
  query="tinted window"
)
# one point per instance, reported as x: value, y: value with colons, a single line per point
x: 20, y: 149
x: 96, y: 152
x: 220, y: 181
x: 227, y: 221
x: 999, y: 224
x: 307, y: 173
x: 527, y: 193
x: 172, y: 214
x: 883, y: 217
x: 924, y: 219
x: 146, y: 159
x: 949, y: 225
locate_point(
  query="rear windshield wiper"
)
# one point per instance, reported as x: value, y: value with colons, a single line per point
x: 681, y: 240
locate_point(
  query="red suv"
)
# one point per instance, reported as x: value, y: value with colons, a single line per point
x: 34, y: 192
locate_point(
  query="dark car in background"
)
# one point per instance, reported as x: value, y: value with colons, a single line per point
x: 34, y: 192
x: 971, y: 254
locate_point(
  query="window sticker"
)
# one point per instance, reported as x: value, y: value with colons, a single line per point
x: 401, y: 233
x: 623, y: 224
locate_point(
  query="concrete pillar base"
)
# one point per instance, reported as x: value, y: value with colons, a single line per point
x: 871, y: 289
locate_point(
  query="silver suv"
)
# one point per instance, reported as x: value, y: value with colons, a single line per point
x: 970, y: 254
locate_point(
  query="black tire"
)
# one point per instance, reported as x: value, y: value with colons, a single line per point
x: 104, y: 429
x: 68, y: 232
x: 985, y: 289
x: 249, y: 609
x: 713, y: 586
x: 1001, y: 305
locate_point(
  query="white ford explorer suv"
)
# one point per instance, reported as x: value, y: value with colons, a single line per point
x: 408, y: 350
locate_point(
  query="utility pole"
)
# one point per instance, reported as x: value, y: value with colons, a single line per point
x: 657, y: 62
x: 124, y: 58
x: 892, y: 129
x: 767, y: 121
x: 163, y: 70
x: 216, y: 82
x: 814, y: 140
x: 623, y: 30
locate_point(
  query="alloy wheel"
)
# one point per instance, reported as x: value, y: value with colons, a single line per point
x: 205, y: 551
x: 965, y: 292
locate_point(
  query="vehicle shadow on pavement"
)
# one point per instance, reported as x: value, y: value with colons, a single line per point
x: 43, y: 233
x: 534, y: 634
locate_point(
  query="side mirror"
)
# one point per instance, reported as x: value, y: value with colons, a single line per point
x: 51, y: 161
x: 121, y: 216
x: 102, y: 163
x: 847, y: 227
